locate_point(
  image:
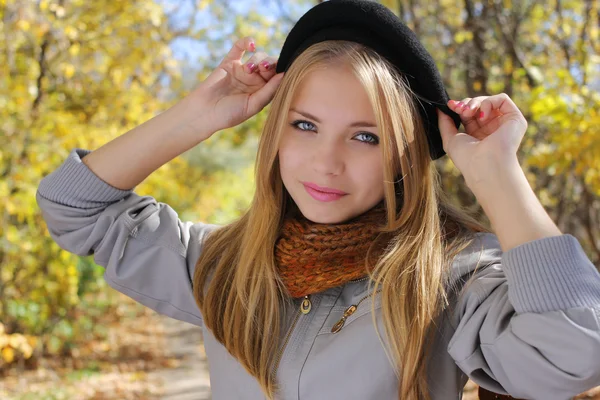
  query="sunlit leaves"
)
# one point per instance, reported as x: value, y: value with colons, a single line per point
x: 75, y: 74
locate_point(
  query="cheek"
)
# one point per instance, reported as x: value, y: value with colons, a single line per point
x: 290, y: 157
x: 370, y: 173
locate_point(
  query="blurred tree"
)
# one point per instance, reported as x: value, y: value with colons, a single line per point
x: 545, y: 55
x: 77, y: 74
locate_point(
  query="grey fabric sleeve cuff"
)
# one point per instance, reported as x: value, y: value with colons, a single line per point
x: 75, y: 185
x: 551, y: 274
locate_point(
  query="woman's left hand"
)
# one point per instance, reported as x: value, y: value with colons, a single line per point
x: 494, y: 128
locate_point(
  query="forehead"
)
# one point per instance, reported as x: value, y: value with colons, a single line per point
x: 333, y: 92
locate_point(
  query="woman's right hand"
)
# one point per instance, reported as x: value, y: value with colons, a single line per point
x: 234, y: 92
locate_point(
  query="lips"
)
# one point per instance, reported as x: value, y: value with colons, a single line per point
x: 323, y: 189
x: 319, y: 195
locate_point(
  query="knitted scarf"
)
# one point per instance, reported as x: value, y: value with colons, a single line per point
x: 313, y: 257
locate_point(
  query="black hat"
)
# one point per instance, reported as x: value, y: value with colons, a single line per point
x: 375, y: 26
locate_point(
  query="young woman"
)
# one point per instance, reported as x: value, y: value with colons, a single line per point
x: 351, y: 275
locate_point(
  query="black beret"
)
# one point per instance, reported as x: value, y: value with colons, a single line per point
x: 377, y: 27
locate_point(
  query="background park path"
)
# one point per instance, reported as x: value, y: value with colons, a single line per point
x: 189, y: 380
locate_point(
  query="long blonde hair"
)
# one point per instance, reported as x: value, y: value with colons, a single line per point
x: 236, y: 284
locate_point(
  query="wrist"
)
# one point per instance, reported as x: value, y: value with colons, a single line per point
x: 196, y: 113
x: 490, y: 175
x: 515, y: 213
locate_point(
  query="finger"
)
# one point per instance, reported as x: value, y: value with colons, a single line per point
x: 447, y: 128
x: 266, y: 67
x: 240, y: 46
x: 501, y: 104
x: 485, y: 111
x: 468, y: 108
x: 458, y: 105
x: 464, y: 103
x: 496, y: 120
x: 252, y: 64
x: 470, y: 115
x: 472, y: 107
x: 259, y: 99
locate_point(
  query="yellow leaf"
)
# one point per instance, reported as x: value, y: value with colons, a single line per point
x: 117, y: 75
x: 594, y: 33
x: 12, y: 234
x: 463, y: 36
x: 155, y: 18
x: 26, y: 350
x: 69, y: 71
x: 23, y: 25
x: 202, y: 4
x: 71, y: 32
x: 32, y: 340
x: 8, y: 354
x: 71, y: 270
x: 16, y: 340
x: 508, y: 66
x: 74, y: 50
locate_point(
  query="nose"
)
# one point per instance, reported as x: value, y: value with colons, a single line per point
x: 327, y: 158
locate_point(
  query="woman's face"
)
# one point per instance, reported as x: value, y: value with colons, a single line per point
x: 331, y: 141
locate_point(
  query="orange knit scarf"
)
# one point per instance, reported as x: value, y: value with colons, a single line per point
x: 313, y: 257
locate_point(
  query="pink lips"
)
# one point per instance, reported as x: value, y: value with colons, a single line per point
x: 323, y: 193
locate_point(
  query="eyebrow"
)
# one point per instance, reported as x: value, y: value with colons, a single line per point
x: 352, y: 125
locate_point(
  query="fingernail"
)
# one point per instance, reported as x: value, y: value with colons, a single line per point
x: 252, y: 46
x: 265, y: 64
x: 481, y: 114
x: 251, y: 67
x: 460, y: 104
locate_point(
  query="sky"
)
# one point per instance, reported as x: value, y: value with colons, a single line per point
x: 185, y: 49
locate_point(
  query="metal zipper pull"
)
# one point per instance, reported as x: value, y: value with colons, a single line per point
x: 349, y: 311
x: 306, y: 305
x: 338, y: 325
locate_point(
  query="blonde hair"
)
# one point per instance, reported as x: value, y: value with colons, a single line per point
x: 236, y: 284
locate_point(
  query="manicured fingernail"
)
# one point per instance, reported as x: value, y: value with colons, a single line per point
x: 251, y: 67
x: 265, y: 64
x: 460, y: 104
x: 481, y: 114
x: 252, y: 46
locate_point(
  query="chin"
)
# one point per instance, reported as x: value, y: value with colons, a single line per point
x: 324, y: 216
x: 325, y: 220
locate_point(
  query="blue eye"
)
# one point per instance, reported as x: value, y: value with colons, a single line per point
x: 372, y: 139
x: 296, y: 124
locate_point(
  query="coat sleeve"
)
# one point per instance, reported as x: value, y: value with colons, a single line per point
x: 527, y: 322
x: 148, y: 253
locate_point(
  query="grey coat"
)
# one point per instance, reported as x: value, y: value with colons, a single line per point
x: 528, y: 325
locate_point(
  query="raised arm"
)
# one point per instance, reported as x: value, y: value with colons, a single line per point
x: 89, y: 205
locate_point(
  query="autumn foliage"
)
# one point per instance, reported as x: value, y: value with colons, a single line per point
x: 76, y: 74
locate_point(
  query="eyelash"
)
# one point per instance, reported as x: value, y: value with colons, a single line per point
x: 372, y: 143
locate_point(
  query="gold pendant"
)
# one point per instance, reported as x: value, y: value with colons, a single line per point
x: 306, y: 305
